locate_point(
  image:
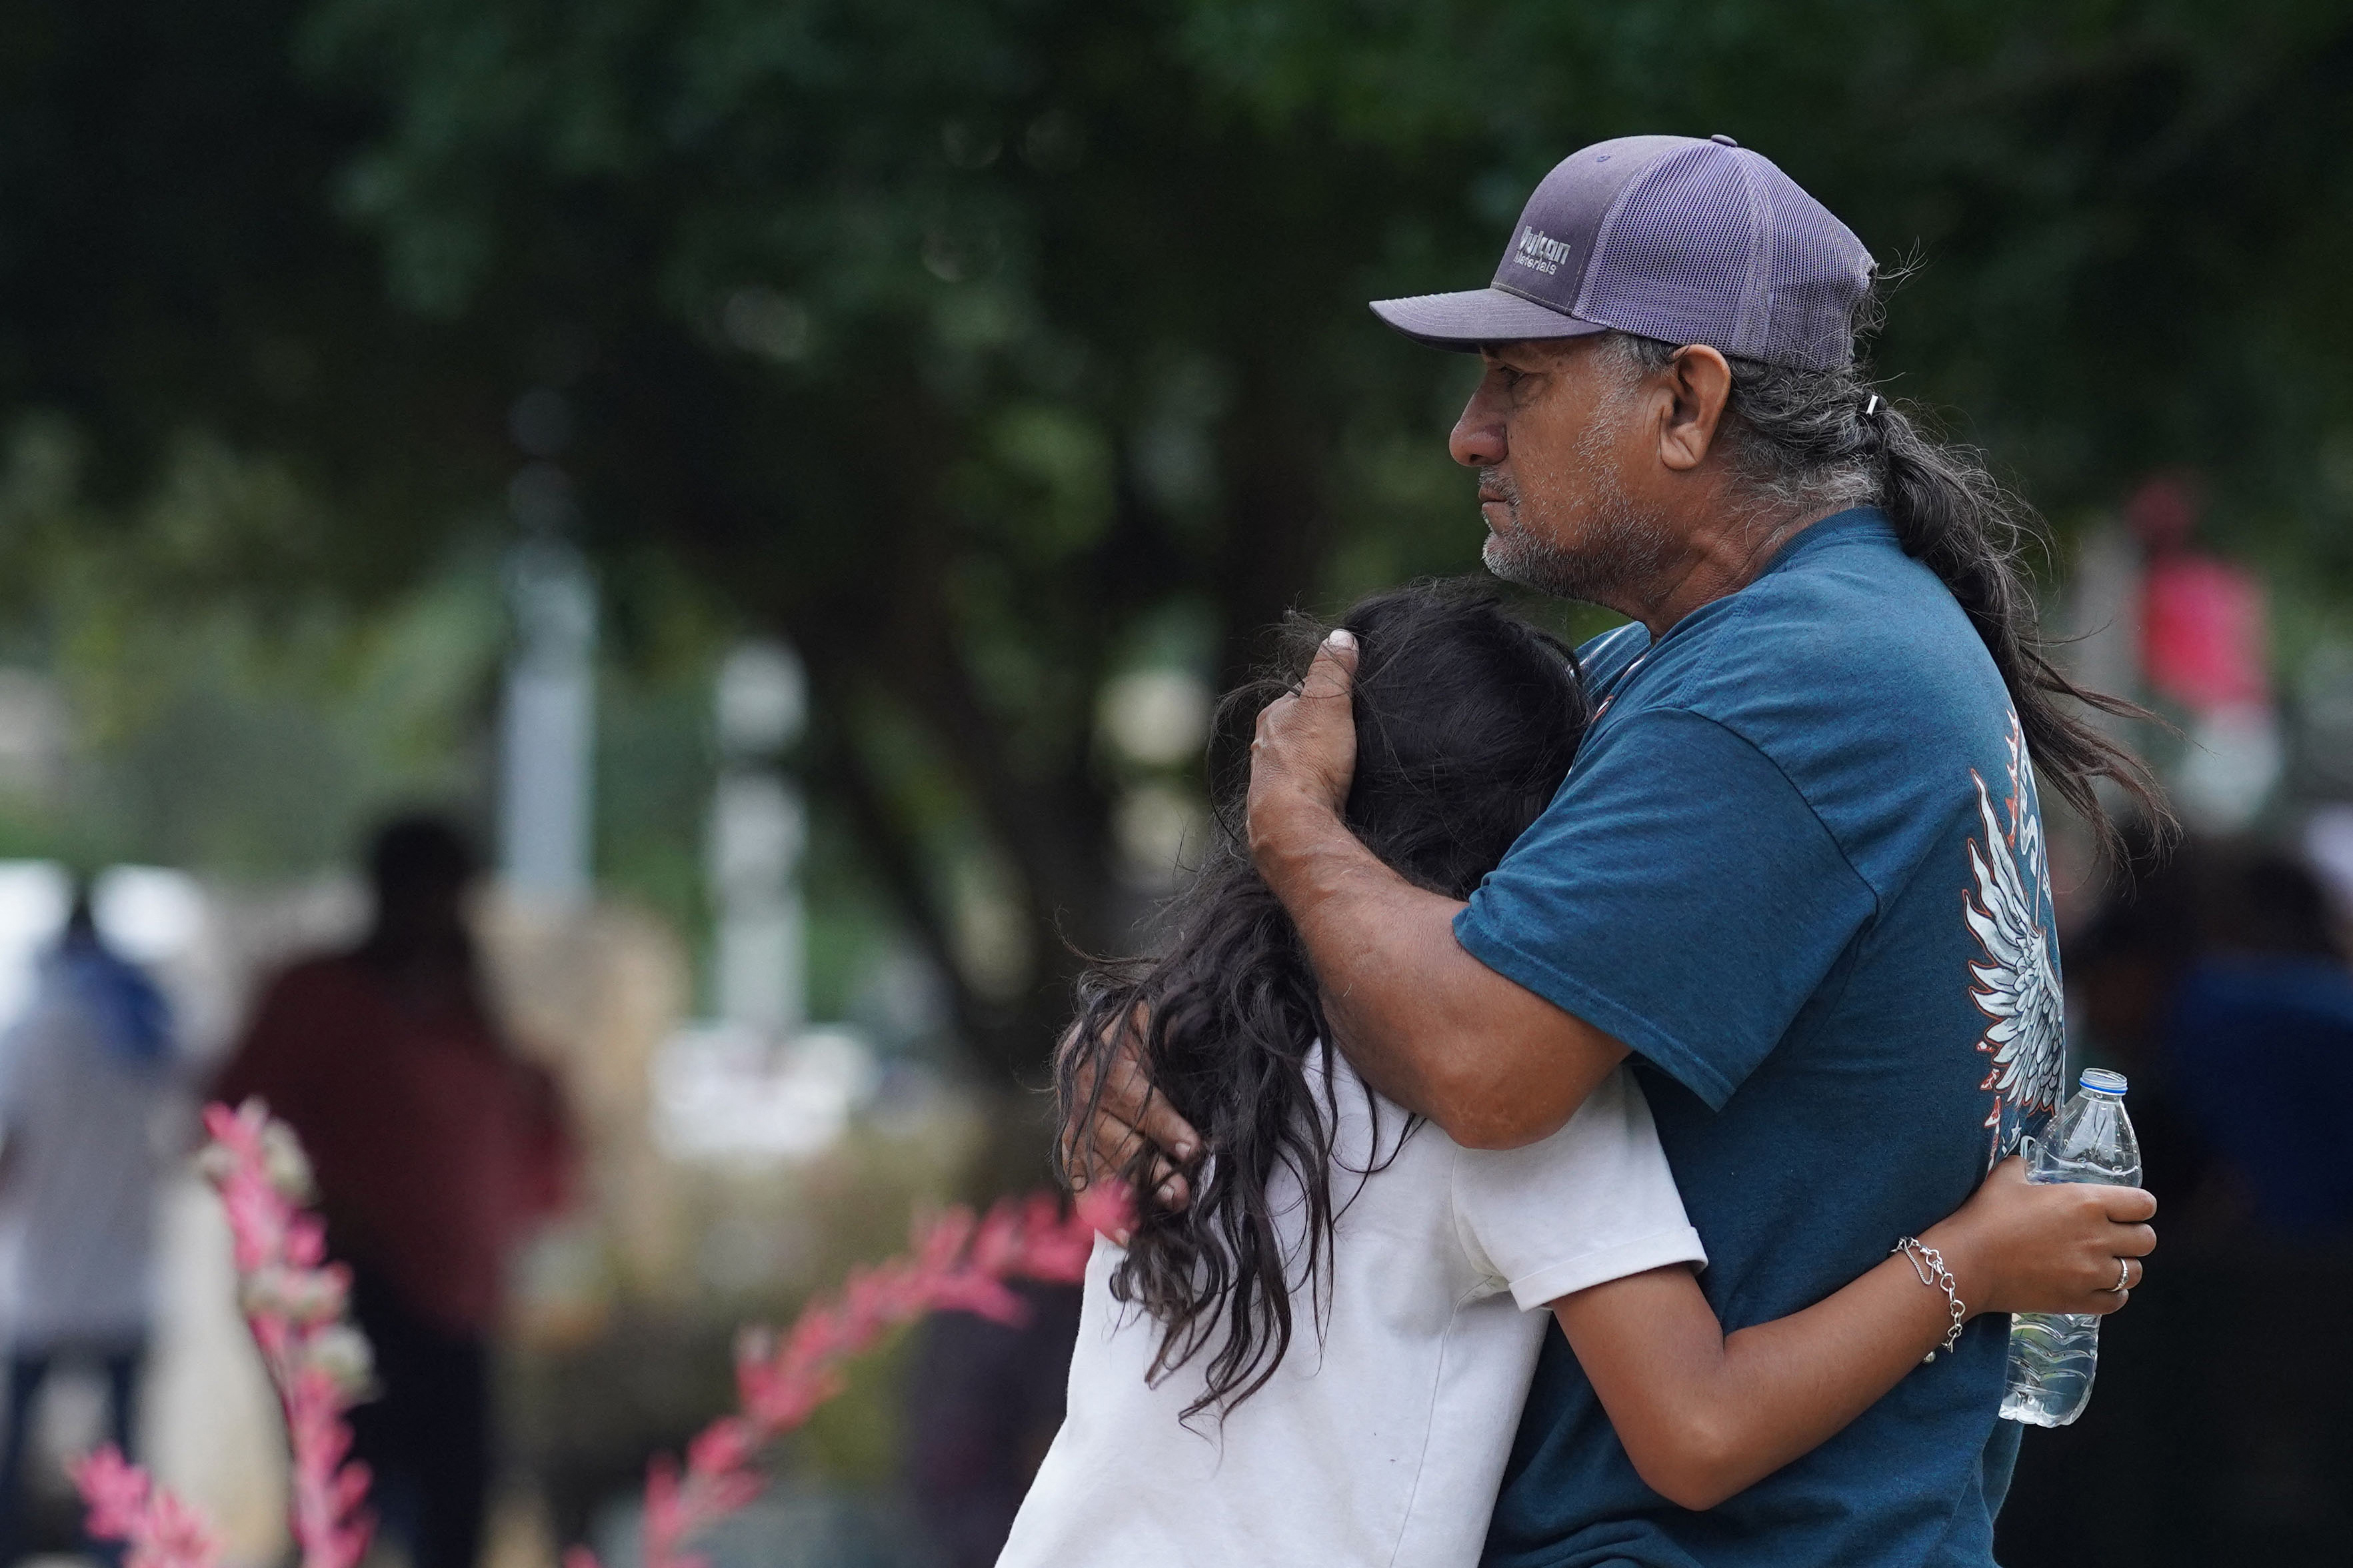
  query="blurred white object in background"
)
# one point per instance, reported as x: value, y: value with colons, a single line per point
x: 209, y: 1422
x: 725, y: 1093
x: 2101, y: 618
x: 34, y: 899
x: 2233, y: 759
x: 34, y: 734
x: 758, y: 828
x: 1161, y: 832
x: 2329, y: 845
x: 762, y: 699
x: 149, y: 914
x: 547, y: 731
x: 1157, y: 718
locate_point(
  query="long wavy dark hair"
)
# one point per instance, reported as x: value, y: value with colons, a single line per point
x: 1467, y: 719
x: 1818, y: 437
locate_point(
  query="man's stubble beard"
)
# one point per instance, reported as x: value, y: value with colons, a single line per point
x: 1620, y: 547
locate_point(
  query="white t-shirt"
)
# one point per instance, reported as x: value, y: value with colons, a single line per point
x: 1384, y: 1443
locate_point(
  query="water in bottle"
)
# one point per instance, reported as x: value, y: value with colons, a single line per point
x: 2053, y: 1354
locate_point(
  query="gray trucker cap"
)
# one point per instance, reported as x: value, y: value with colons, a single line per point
x: 1668, y: 237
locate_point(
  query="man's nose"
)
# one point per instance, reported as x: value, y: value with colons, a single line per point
x: 1478, y: 438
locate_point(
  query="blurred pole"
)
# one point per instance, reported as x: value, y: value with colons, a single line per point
x: 548, y: 729
x: 2104, y: 620
x: 758, y: 828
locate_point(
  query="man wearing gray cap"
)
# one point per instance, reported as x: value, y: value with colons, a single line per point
x: 1797, y: 873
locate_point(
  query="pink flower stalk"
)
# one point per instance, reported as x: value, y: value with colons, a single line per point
x: 294, y: 1302
x: 955, y: 1264
x: 160, y: 1530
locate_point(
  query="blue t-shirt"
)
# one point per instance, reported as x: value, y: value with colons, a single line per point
x: 1797, y: 868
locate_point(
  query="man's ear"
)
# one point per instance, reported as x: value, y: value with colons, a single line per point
x: 1697, y: 382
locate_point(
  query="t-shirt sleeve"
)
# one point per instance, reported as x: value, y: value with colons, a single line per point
x: 1594, y: 1202
x: 1679, y: 894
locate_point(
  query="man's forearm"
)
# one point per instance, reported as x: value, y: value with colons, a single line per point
x: 1424, y: 1022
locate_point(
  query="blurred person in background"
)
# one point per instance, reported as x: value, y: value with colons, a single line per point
x: 2214, y: 977
x: 983, y: 1399
x: 984, y: 1402
x: 2123, y: 969
x: 2218, y: 979
x: 2260, y: 1042
x: 87, y: 1083
x: 436, y: 1148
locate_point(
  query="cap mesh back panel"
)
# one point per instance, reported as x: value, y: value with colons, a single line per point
x: 1672, y: 263
x: 1820, y: 271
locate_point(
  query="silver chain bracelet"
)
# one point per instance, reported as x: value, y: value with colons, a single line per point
x: 1929, y: 1265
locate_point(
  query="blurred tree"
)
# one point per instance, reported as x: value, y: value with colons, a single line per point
x: 972, y: 345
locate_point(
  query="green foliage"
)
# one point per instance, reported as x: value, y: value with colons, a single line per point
x: 218, y: 723
x: 2124, y: 218
x: 965, y: 340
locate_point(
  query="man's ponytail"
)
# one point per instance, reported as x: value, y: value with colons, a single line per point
x: 1823, y: 439
x: 1954, y: 517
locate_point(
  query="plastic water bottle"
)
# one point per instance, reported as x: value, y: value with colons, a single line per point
x: 2053, y: 1354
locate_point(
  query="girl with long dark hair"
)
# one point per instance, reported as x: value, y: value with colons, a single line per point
x: 1321, y: 1359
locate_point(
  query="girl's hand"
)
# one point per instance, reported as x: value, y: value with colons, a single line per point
x: 2069, y: 1246
x: 1130, y: 1132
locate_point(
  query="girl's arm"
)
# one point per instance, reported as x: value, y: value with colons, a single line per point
x: 1703, y: 1413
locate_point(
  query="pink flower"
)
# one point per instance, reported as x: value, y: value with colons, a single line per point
x: 725, y: 1445
x: 125, y: 1505
x: 114, y: 1491
x: 954, y: 1263
x: 294, y: 1305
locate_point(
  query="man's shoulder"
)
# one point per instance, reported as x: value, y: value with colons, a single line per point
x: 1862, y: 681
x: 1864, y: 639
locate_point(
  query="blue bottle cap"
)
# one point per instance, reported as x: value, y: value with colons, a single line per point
x: 2100, y: 1080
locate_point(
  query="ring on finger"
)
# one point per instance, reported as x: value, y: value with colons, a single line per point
x: 2124, y: 1277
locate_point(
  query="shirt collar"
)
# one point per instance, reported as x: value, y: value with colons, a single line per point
x: 1855, y: 522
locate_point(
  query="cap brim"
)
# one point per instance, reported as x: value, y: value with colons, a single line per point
x: 1465, y: 319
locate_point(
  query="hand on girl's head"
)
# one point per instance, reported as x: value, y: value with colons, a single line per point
x: 1304, y: 747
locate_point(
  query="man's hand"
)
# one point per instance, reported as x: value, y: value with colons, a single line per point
x: 1429, y: 1025
x: 1130, y: 1116
x: 1301, y: 759
x: 1304, y: 754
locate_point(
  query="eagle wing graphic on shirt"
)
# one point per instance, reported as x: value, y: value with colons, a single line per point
x: 2017, y: 978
